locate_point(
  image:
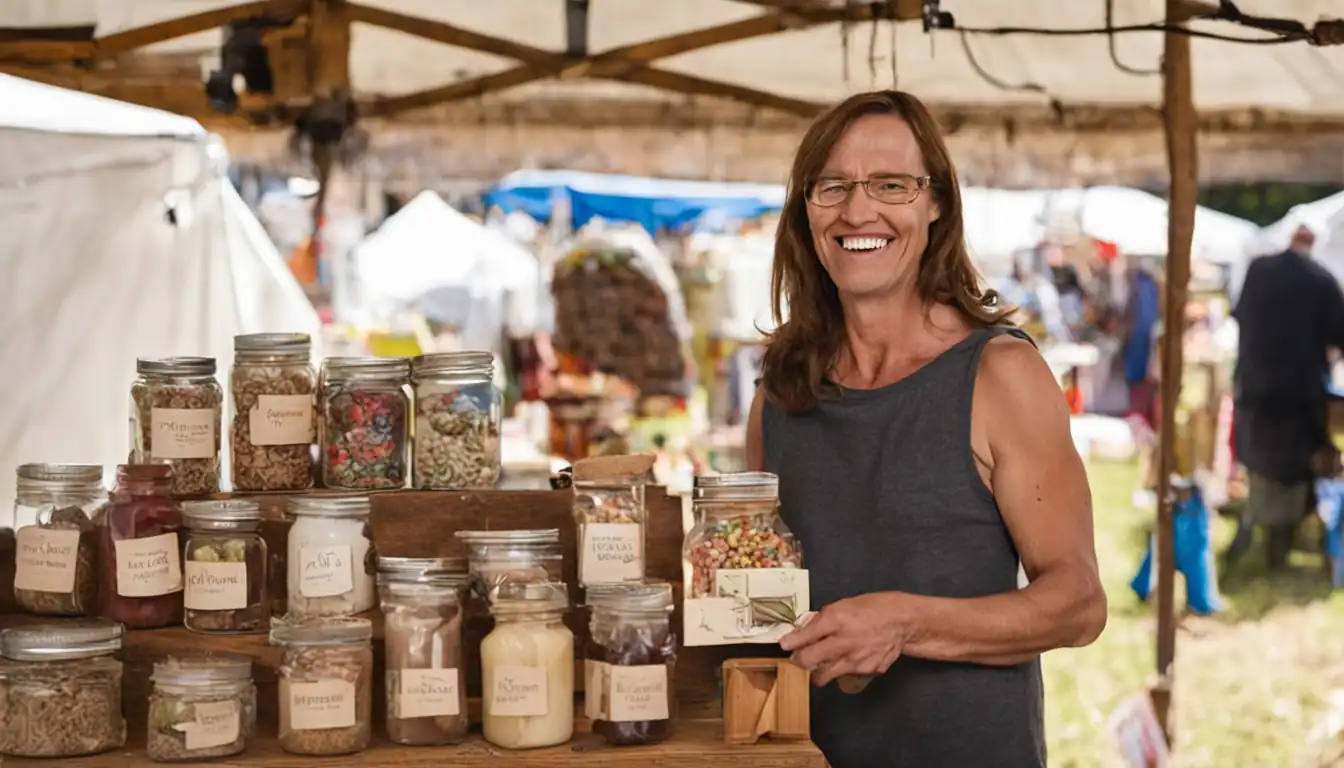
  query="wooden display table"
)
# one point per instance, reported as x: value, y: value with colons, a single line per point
x: 422, y: 524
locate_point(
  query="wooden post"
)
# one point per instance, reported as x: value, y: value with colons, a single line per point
x: 1180, y: 121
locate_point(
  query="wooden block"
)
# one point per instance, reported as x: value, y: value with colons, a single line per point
x: 765, y: 697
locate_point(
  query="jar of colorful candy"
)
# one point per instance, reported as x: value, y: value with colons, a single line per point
x: 365, y: 403
x: 737, y: 526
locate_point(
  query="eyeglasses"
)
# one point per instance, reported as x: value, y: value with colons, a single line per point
x: 897, y: 189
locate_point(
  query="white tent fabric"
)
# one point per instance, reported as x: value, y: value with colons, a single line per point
x: 430, y: 254
x: 96, y: 273
x: 1073, y: 70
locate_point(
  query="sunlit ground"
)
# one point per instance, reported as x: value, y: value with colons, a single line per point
x: 1261, y: 685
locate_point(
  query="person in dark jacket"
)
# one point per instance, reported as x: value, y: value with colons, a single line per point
x: 1290, y: 313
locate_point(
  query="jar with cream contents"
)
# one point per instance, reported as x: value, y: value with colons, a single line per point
x: 527, y: 668
x: 60, y: 689
x: 330, y: 555
x: 326, y: 685
x: 201, y: 707
x: 140, y: 550
x: 422, y: 601
x: 629, y: 663
x: 225, y: 568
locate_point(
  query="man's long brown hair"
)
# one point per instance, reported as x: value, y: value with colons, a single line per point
x: 802, y: 350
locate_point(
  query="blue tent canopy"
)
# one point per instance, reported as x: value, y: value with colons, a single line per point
x: 652, y: 203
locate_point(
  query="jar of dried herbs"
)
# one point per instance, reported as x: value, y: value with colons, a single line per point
x: 176, y: 404
x: 330, y: 557
x: 60, y: 689
x: 458, y: 410
x: 224, y: 568
x: 523, y: 557
x: 273, y: 385
x: 629, y: 663
x: 422, y: 601
x: 364, y: 404
x: 326, y: 685
x: 610, y: 515
x: 56, y: 542
x: 201, y: 707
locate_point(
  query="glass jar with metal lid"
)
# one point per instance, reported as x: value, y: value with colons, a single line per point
x: 525, y: 556
x: 176, y: 404
x: 61, y: 688
x: 201, y: 707
x: 330, y: 556
x: 527, y: 667
x: 56, y: 539
x: 737, y: 525
x: 364, y: 404
x: 326, y: 685
x: 273, y: 386
x: 458, y: 410
x: 225, y: 568
x: 629, y: 662
x: 422, y: 601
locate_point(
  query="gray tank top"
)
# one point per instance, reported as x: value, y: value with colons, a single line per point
x: 881, y: 488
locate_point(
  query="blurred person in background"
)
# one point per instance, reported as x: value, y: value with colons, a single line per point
x: 1290, y: 313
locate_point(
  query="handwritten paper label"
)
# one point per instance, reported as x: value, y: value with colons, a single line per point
x: 322, y: 704
x: 595, y: 689
x: 612, y: 553
x: 148, y: 567
x: 325, y: 571
x: 748, y: 607
x: 182, y: 433
x: 45, y: 559
x: 217, y: 723
x: 519, y: 692
x: 215, y: 586
x: 281, y: 420
x: 428, y: 693
x: 636, y: 694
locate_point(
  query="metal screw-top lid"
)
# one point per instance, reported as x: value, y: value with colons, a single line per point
x: 341, y: 631
x: 390, y: 368
x: 737, y: 485
x: 518, y: 598
x: 462, y: 363
x: 499, y: 538
x: 329, y: 506
x: 63, y: 641
x: 203, y: 669
x: 436, y: 571
x: 176, y: 366
x: 649, y: 595
x: 229, y: 513
x: 34, y: 478
x: 276, y: 343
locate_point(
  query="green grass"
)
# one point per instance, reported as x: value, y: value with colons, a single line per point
x: 1261, y: 684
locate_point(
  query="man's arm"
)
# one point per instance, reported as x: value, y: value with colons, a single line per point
x: 1022, y: 430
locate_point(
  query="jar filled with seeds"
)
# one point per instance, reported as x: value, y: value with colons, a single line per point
x: 60, y: 689
x: 737, y: 525
x: 523, y: 557
x: 610, y: 515
x: 364, y: 404
x: 176, y: 404
x: 457, y: 417
x: 201, y: 707
x: 273, y: 385
x: 326, y: 685
x: 56, y: 538
x: 225, y: 568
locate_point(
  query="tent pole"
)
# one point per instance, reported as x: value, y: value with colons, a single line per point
x: 1180, y: 122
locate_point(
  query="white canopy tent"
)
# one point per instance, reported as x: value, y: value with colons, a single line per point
x: 431, y: 256
x: 122, y: 239
x: 1072, y: 70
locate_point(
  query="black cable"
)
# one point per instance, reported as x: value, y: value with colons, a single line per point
x: 1175, y: 29
x: 994, y: 81
x: 1110, y: 47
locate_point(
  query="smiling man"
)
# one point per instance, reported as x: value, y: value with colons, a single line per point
x: 923, y: 450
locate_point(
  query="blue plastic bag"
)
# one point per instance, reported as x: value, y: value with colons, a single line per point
x: 1194, y: 557
x: 1329, y: 505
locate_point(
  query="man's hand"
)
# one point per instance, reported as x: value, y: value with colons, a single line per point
x: 860, y: 635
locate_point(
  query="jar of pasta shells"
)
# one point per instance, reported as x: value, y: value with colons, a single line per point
x: 457, y: 416
x: 272, y: 386
x: 175, y: 418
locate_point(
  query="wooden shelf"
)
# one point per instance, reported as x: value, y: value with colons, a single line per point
x: 698, y: 744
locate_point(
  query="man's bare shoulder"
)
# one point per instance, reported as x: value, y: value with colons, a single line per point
x: 1017, y: 385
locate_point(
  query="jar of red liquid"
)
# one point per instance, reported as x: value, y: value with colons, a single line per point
x: 141, y: 551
